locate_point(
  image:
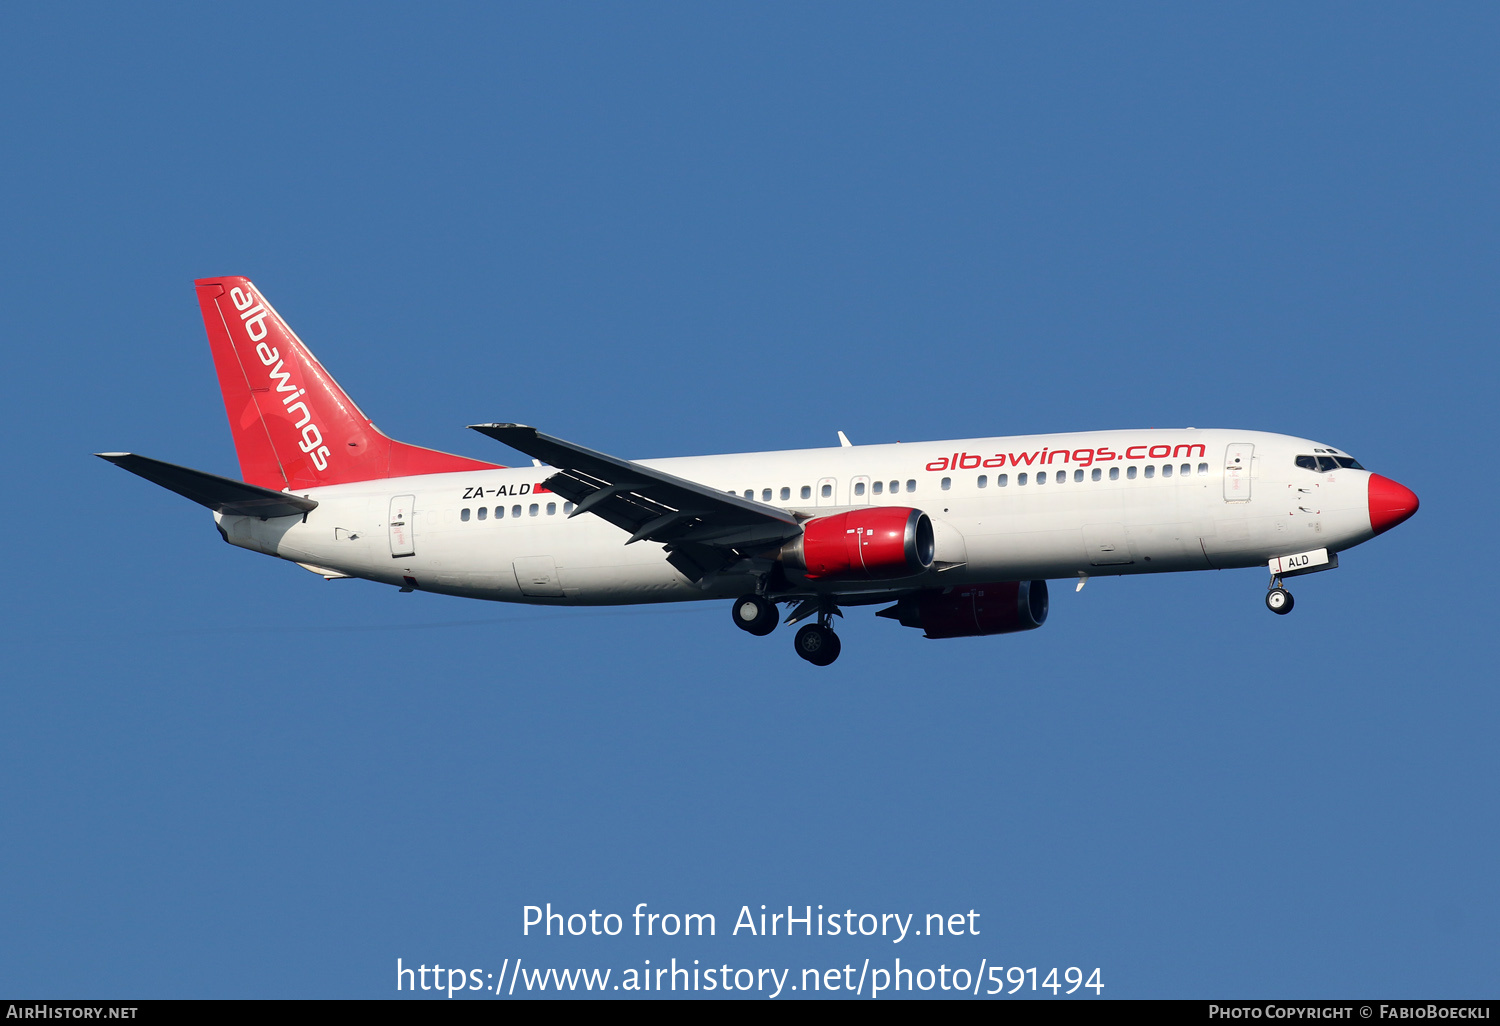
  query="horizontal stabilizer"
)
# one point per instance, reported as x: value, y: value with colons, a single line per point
x: 220, y: 494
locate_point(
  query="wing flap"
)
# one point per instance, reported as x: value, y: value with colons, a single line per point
x: 702, y: 527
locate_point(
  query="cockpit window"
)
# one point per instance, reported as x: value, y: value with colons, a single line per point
x: 1327, y: 464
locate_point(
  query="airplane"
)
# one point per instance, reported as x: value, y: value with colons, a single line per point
x: 959, y: 537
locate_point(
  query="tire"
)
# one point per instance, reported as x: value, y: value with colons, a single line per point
x: 1279, y: 601
x: 754, y: 615
x: 818, y: 645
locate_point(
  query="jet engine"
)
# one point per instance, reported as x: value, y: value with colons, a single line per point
x: 970, y: 610
x: 880, y: 543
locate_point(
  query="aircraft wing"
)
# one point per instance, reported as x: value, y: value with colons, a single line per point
x: 704, y: 530
x: 220, y: 494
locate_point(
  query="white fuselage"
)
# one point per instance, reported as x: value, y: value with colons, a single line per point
x: 1112, y: 502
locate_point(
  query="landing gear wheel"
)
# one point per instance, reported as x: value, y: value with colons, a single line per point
x: 754, y: 614
x: 1279, y: 600
x: 818, y: 644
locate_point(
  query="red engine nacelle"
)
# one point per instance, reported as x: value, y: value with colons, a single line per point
x: 969, y: 610
x: 880, y: 543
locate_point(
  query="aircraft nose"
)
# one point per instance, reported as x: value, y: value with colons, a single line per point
x: 1390, y: 503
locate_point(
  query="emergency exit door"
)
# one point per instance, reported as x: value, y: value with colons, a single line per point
x: 403, y: 537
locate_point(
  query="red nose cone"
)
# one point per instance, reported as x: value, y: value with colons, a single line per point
x: 1390, y: 503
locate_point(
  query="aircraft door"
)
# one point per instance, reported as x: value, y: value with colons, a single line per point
x: 1237, y: 461
x: 859, y: 491
x: 828, y: 492
x: 402, y: 528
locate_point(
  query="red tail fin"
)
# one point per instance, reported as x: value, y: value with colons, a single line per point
x: 293, y: 425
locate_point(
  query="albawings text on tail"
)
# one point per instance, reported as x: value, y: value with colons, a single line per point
x: 253, y: 313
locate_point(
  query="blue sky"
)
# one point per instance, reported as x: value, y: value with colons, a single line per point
x: 670, y: 229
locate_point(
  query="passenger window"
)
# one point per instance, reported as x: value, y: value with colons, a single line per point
x: 1130, y: 473
x: 1114, y: 473
x: 786, y: 493
x: 1150, y: 471
x: 749, y: 493
x: 515, y: 511
x: 947, y: 483
x: 807, y: 491
x: 1020, y: 479
x: 983, y: 481
x: 499, y: 512
x: 911, y: 485
x: 1041, y: 478
x: 1077, y: 475
x: 765, y: 495
x: 567, y: 507
x: 1187, y: 470
x: 878, y: 487
x: 1166, y: 471
x: 552, y: 509
x: 483, y: 512
x: 1097, y: 474
x: 1202, y: 469
x: 859, y: 488
x: 826, y: 491
x: 1002, y: 480
x: 463, y: 515
x: 895, y: 487
x: 534, y: 510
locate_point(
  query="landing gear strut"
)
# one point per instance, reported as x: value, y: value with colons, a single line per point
x: 816, y: 642
x: 755, y: 614
x: 1278, y: 599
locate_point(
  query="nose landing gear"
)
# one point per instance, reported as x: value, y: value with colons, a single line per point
x: 1278, y: 599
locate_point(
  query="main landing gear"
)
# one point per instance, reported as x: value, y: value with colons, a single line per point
x: 755, y: 614
x: 815, y: 642
x: 1278, y: 599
